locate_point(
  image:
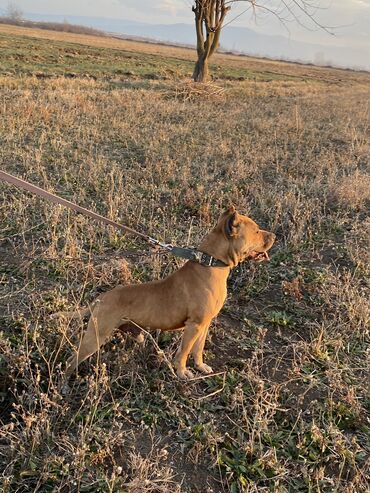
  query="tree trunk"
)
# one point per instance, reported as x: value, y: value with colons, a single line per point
x: 209, y: 18
x: 201, y: 72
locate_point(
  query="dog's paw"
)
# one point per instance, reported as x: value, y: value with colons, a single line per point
x: 185, y: 374
x: 204, y: 368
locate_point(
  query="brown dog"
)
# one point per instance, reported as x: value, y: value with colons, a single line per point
x: 188, y: 299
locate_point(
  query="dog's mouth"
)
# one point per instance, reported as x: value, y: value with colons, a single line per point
x: 258, y: 256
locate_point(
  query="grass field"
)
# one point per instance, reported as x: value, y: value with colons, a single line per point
x: 116, y: 126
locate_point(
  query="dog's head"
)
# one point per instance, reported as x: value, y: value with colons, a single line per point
x: 245, y: 239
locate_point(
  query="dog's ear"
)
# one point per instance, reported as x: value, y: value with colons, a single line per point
x: 230, y: 210
x: 232, y: 222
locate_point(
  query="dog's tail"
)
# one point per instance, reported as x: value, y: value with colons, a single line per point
x: 80, y: 313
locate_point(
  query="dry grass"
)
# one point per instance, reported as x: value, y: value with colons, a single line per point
x: 186, y: 91
x: 353, y: 191
x: 235, y: 66
x: 52, y: 26
x: 290, y: 409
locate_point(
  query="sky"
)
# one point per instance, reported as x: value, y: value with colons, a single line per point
x: 349, y: 20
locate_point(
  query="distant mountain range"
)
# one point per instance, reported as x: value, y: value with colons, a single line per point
x: 236, y: 39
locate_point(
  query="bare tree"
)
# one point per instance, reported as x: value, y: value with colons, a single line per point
x: 210, y: 16
x: 13, y: 13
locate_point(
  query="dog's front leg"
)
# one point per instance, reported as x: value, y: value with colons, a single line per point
x: 191, y: 333
x: 197, y: 352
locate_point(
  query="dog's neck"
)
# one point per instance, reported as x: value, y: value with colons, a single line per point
x: 220, y: 250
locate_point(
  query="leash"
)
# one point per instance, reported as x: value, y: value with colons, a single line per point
x: 187, y: 253
x: 29, y: 187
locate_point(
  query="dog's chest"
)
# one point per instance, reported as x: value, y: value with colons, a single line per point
x: 218, y: 301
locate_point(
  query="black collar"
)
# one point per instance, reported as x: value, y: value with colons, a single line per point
x: 198, y: 256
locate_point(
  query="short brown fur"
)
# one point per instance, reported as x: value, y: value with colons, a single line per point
x: 188, y: 299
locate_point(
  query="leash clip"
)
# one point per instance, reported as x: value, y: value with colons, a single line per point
x: 166, y: 246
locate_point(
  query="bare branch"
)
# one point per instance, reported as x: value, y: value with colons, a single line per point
x: 210, y: 20
x: 306, y: 7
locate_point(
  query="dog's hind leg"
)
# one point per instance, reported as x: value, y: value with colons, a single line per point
x: 101, y: 325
